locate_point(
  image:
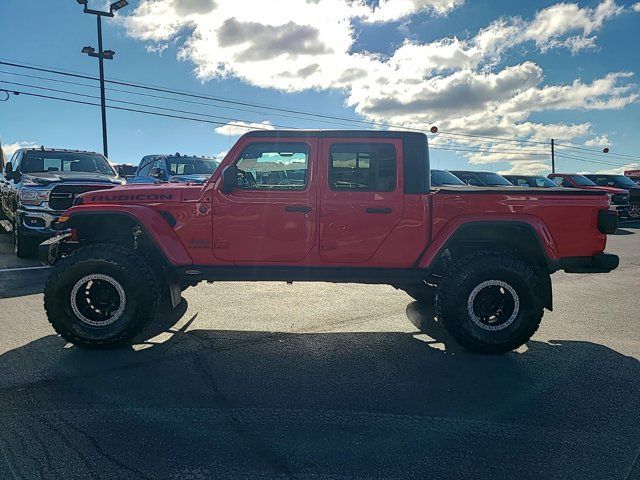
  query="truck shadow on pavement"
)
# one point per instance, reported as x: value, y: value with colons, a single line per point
x: 205, y: 404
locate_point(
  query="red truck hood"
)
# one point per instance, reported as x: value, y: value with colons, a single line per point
x: 129, y: 194
x: 605, y: 189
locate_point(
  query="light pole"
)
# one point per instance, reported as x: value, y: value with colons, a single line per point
x: 101, y: 55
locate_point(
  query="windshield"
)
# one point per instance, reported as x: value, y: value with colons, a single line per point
x: 493, y: 179
x: 545, y: 182
x: 41, y: 161
x: 192, y: 165
x: 442, y: 177
x: 622, y: 181
x: 582, y: 181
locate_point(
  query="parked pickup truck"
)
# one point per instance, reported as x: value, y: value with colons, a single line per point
x: 39, y: 184
x: 358, y: 207
x: 623, y: 183
x: 482, y: 179
x: 619, y: 198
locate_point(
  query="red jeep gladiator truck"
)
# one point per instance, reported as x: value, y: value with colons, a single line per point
x: 331, y: 206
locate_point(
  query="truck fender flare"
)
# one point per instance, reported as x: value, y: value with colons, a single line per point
x: 458, y: 226
x: 152, y: 223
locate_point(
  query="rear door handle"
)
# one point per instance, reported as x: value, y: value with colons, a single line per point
x: 379, y: 210
x: 297, y: 208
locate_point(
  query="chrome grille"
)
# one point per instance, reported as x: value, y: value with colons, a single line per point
x: 620, y: 199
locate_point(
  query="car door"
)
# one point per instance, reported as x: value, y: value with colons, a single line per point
x: 361, y: 197
x: 271, y: 215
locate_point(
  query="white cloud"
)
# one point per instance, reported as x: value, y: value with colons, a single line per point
x: 598, y: 141
x: 527, y: 168
x: 238, y: 128
x: 622, y: 169
x: 392, y: 10
x: 10, y: 148
x: 636, y: 7
x: 455, y: 83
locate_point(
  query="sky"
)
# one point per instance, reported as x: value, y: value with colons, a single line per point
x: 476, y: 69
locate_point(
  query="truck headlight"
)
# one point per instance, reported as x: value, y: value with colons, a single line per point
x: 33, y: 196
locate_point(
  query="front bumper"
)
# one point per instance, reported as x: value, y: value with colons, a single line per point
x: 50, y: 251
x: 623, y: 210
x: 599, y: 263
x: 38, y: 223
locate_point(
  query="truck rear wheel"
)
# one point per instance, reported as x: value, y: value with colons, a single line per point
x: 634, y: 211
x: 487, y: 302
x: 101, y: 296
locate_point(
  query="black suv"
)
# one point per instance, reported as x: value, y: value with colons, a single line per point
x: 620, y: 181
x: 39, y: 184
x: 482, y: 179
x: 534, y: 181
x: 443, y: 178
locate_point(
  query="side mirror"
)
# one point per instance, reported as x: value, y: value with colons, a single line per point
x: 229, y: 178
x: 10, y: 173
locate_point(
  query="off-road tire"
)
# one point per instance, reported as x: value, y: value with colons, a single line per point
x: 23, y: 246
x: 420, y: 292
x: 139, y: 283
x: 455, y: 298
x: 634, y: 211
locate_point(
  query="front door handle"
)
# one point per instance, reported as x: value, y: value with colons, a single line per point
x: 297, y: 208
x: 379, y: 210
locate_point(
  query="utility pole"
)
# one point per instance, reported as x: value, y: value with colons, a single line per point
x: 553, y: 156
x: 101, y: 55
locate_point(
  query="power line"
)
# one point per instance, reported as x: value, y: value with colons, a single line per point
x: 593, y: 151
x: 181, y: 100
x: 158, y: 114
x: 82, y: 95
x: 268, y: 107
x: 182, y: 117
x: 136, y: 104
x: 327, y: 118
x: 478, y: 150
x: 570, y: 157
x: 194, y: 95
x: 513, y: 140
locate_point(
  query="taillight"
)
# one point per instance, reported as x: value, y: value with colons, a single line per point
x: 607, y: 221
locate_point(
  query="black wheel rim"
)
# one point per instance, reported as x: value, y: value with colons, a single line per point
x: 493, y: 305
x: 98, y: 300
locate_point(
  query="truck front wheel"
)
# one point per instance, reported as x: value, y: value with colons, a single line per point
x: 487, y: 302
x: 101, y: 296
x: 23, y: 246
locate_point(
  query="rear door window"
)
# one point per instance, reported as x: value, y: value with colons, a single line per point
x: 363, y: 167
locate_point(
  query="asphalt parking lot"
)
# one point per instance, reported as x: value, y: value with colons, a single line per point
x: 269, y: 380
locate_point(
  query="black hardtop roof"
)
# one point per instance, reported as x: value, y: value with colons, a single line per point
x: 333, y: 133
